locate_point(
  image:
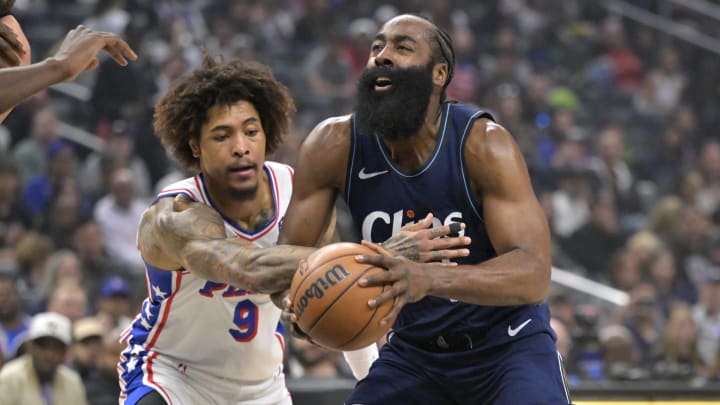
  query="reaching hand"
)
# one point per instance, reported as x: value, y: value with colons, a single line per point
x: 10, y: 45
x: 409, y: 281
x: 78, y: 51
x: 288, y: 316
x: 189, y: 220
x: 421, y: 242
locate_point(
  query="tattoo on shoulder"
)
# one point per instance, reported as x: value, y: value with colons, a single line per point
x: 403, y: 245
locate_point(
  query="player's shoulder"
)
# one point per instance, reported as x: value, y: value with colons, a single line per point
x: 278, y: 166
x: 489, y: 139
x: 331, y: 131
x: 280, y: 170
x: 189, y: 187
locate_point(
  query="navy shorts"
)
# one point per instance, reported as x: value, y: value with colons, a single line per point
x: 526, y: 371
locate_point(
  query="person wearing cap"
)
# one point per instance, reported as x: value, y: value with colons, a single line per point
x: 113, y: 303
x: 40, y: 376
x: 39, y: 189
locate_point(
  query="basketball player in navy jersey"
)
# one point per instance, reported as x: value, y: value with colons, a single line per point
x: 475, y: 333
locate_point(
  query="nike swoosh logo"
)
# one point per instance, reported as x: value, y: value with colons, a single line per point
x: 514, y: 331
x: 364, y: 176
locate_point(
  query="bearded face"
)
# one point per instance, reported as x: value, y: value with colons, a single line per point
x: 392, y: 102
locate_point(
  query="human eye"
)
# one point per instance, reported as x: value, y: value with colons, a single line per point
x: 404, y: 48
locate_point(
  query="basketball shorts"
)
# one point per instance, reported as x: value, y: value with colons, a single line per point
x: 527, y: 371
x: 179, y: 386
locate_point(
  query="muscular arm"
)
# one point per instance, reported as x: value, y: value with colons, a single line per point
x: 319, y: 176
x: 515, y: 222
x: 175, y: 233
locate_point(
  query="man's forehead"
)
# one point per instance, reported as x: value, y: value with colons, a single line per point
x: 408, y: 25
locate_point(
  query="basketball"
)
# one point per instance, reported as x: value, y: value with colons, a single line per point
x: 330, y: 306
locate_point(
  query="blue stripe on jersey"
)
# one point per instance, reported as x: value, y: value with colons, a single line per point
x: 160, y: 287
x: 382, y: 203
x: 134, y: 357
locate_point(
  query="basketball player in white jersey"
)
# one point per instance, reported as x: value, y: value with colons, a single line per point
x: 209, y: 331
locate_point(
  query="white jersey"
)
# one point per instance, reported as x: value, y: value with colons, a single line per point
x: 213, y: 331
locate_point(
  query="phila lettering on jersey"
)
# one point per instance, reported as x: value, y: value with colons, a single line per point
x: 212, y: 331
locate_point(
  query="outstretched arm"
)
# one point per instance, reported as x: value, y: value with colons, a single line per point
x: 178, y: 233
x: 77, y: 53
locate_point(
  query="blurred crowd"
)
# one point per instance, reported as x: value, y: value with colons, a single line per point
x: 616, y: 121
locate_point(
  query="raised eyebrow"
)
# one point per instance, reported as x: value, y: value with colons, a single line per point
x: 224, y: 127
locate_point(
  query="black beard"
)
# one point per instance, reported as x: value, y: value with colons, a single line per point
x: 396, y: 113
x: 243, y: 195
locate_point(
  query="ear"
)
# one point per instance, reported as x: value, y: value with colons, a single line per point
x: 440, y: 73
x: 194, y: 147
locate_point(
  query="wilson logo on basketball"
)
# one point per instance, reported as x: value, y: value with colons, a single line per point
x: 317, y: 289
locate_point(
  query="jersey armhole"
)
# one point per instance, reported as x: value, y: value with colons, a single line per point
x: 463, y: 169
x: 351, y: 160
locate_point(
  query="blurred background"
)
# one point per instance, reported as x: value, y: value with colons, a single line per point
x: 613, y: 103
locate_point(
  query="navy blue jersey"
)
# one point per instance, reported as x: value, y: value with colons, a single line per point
x: 382, y: 198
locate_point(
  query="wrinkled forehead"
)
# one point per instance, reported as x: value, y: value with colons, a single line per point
x: 407, y: 26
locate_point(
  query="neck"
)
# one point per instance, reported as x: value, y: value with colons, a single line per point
x: 249, y: 213
x: 413, y: 152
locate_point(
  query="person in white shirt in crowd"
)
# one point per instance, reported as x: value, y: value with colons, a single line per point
x: 118, y: 214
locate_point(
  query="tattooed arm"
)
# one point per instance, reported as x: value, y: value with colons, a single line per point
x: 177, y: 233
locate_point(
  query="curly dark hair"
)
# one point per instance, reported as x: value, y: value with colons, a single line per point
x: 183, y: 111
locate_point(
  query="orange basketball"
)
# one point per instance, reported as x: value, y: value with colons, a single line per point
x: 330, y: 307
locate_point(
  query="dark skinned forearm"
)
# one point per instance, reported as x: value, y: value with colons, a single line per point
x: 492, y: 283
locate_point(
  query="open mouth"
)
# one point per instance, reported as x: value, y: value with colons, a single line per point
x: 383, y: 83
x: 244, y: 170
